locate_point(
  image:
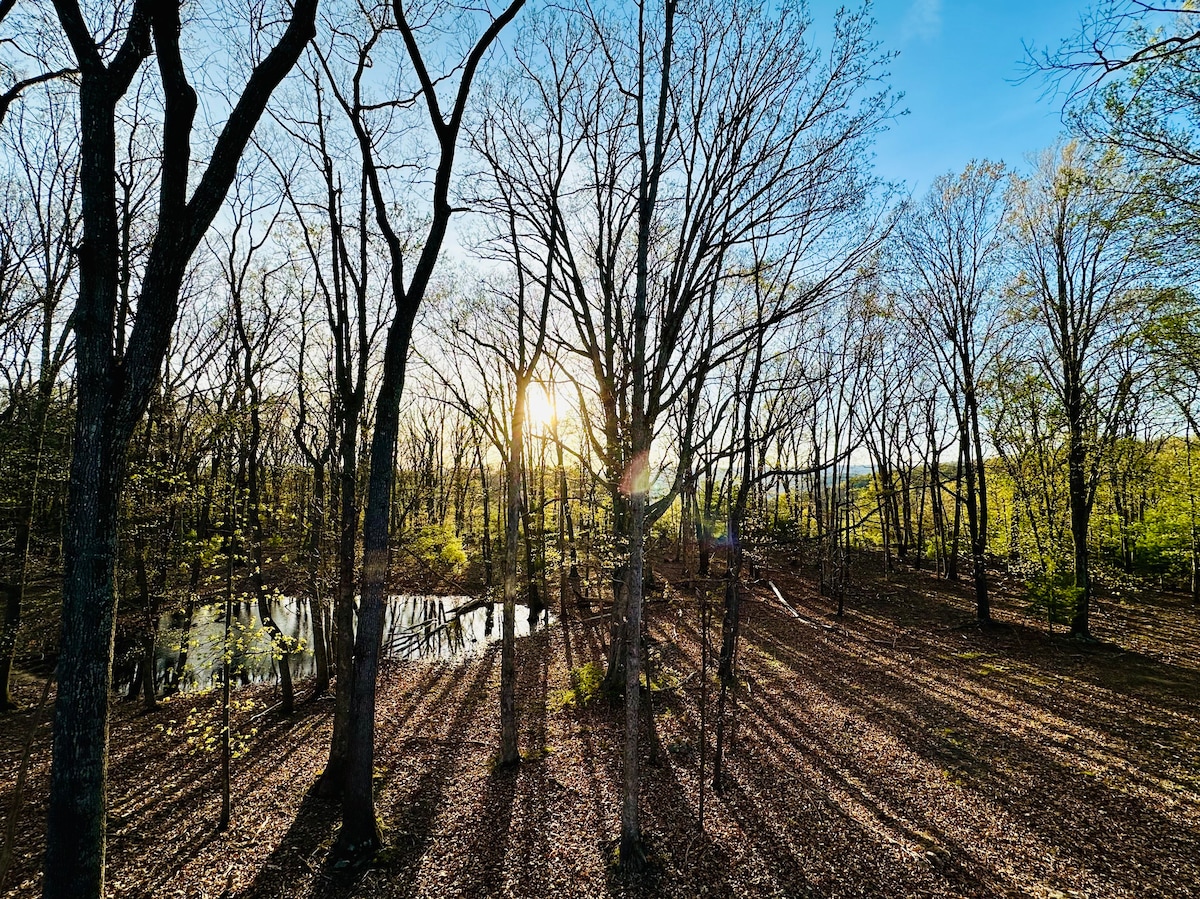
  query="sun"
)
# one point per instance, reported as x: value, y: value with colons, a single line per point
x: 539, y: 409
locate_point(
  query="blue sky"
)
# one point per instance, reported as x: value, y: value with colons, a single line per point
x: 958, y: 67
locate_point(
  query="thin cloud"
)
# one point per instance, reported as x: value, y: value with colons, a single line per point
x: 923, y: 21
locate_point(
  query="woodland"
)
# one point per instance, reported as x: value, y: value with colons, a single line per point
x: 523, y: 449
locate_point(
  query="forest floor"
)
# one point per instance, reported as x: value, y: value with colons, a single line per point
x: 898, y: 751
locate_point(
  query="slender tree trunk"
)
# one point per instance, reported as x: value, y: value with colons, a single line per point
x: 484, y: 489
x: 227, y: 655
x: 532, y: 593
x: 509, y: 754
x: 330, y: 783
x: 203, y: 529
x: 956, y: 532
x: 13, y: 594
x: 881, y: 506
x: 564, y: 575
x: 145, y: 675
x: 938, y: 508
x: 1080, y: 514
x: 360, y: 834
x: 704, y: 529
x: 1195, y: 525
x: 15, y: 589
x: 632, y: 851
x: 923, y: 492
x: 315, y: 532
x: 279, y: 643
x: 978, y: 510
x: 731, y: 625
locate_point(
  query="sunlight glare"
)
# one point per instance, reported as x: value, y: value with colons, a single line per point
x: 539, y: 410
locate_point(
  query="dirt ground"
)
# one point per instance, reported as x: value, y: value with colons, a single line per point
x: 899, y: 751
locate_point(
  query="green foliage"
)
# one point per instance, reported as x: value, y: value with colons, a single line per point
x: 1052, y: 595
x: 202, y: 734
x: 777, y: 519
x: 666, y: 527
x: 586, y: 687
x: 439, y: 549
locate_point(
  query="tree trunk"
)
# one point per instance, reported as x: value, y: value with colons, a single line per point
x: 360, y: 836
x: 1194, y: 520
x: 632, y: 853
x: 316, y: 529
x: 980, y: 534
x: 75, y: 818
x: 956, y: 532
x: 114, y: 390
x: 279, y: 644
x: 563, y: 526
x: 509, y: 754
x: 145, y: 671
x: 486, y: 542
x: 15, y: 589
x: 1080, y: 513
x: 330, y: 783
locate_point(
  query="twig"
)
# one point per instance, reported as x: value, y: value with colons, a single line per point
x: 266, y: 711
x: 796, y: 614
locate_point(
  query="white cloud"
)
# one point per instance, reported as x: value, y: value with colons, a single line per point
x: 923, y: 21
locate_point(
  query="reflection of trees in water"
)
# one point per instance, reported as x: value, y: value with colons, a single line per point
x: 440, y: 627
x: 190, y: 656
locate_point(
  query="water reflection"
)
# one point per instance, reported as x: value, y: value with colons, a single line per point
x: 415, y: 627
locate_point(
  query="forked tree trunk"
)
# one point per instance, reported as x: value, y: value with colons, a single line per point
x: 316, y: 530
x: 114, y: 392
x: 331, y: 781
x: 360, y: 836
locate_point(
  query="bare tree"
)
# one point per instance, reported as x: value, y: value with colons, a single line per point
x: 498, y: 347
x: 33, y: 56
x: 258, y: 347
x: 114, y: 389
x: 951, y: 251
x: 360, y: 833
x: 334, y: 228
x: 37, y: 269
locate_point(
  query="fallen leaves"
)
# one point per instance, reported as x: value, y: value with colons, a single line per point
x: 893, y: 753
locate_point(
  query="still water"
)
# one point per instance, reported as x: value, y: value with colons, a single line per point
x: 415, y: 627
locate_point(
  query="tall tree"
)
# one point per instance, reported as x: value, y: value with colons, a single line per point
x: 113, y: 388
x: 1131, y: 74
x: 338, y: 240
x: 950, y: 249
x: 359, y: 835
x: 1084, y: 241
x: 37, y: 267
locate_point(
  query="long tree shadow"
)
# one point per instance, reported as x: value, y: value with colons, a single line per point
x: 410, y: 816
x: 985, y: 751
x: 802, y: 842
x: 1008, y: 687
x: 302, y: 849
x: 990, y: 748
x: 501, y: 837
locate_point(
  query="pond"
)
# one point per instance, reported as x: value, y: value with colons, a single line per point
x: 415, y: 627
